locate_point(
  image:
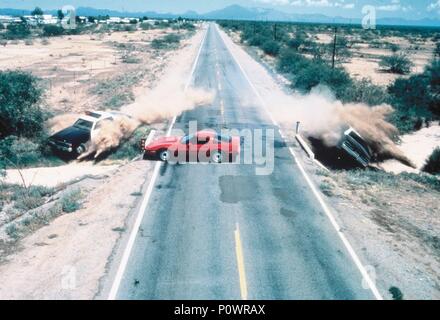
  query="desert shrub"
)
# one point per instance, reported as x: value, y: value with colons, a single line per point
x: 412, y: 92
x: 317, y: 73
x: 12, y: 231
x: 413, y: 100
x: 130, y: 59
x: 129, y: 28
x: 364, y: 91
x: 271, y: 47
x: 71, y: 201
x: 45, y: 42
x: 188, y: 26
x: 171, y: 38
x: 296, y: 42
x: 397, y: 63
x: 158, y: 44
x: 432, y: 72
x: 52, y: 30
x: 432, y: 164
x: 290, y: 62
x: 161, y: 24
x: 166, y: 42
x: 146, y: 26
x: 18, y: 151
x: 29, y: 198
x: 257, y: 40
x: 184, y: 26
x: 394, y: 47
x: 28, y: 42
x: 17, y: 31
x: 20, y: 112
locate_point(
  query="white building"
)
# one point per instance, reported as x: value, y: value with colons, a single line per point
x: 48, y: 19
x: 114, y: 20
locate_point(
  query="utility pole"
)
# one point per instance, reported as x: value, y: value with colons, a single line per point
x: 334, y: 49
x: 275, y: 32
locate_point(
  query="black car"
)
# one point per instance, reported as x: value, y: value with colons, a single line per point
x: 73, y: 140
x: 355, y: 147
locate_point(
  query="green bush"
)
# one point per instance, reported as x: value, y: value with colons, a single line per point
x: 184, y: 26
x: 169, y: 41
x: 12, y: 231
x: 397, y: 63
x: 71, y: 201
x: 17, y: 31
x: 271, y: 47
x: 296, y: 42
x: 130, y: 59
x: 18, y: 151
x: 432, y: 164
x: 412, y: 100
x: 20, y: 112
x: 29, y: 198
x: 290, y: 61
x: 146, y: 26
x: 364, y: 91
x: 318, y: 73
x: 52, y: 31
x: 433, y: 74
x: 257, y: 40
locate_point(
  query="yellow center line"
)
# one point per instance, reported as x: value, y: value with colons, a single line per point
x: 240, y: 264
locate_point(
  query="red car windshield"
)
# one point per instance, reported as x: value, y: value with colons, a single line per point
x: 187, y: 139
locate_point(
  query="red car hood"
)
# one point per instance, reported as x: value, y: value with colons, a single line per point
x: 163, y: 142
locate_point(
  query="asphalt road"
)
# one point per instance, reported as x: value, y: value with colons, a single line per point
x: 223, y: 232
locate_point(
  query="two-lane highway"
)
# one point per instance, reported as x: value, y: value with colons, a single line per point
x: 223, y: 232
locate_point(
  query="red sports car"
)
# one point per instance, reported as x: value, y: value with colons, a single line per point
x: 201, y: 146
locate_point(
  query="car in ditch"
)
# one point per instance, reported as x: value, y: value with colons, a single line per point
x: 353, y: 145
x: 73, y: 140
x: 203, y: 146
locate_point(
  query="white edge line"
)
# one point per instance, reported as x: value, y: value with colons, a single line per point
x: 150, y: 137
x: 140, y: 215
x: 240, y: 263
x: 324, y: 206
x: 305, y: 146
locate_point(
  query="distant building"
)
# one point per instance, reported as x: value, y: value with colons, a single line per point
x: 113, y: 20
x: 9, y: 19
x: 48, y: 19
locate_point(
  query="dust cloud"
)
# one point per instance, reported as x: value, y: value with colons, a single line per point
x: 60, y: 122
x: 172, y: 96
x: 157, y: 105
x: 325, y: 118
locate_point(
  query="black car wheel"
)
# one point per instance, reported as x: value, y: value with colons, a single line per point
x: 217, y: 157
x: 80, y: 149
x: 164, y: 155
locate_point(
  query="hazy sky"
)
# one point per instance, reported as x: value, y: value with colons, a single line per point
x: 348, y: 8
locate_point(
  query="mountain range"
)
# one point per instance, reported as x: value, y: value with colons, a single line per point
x: 236, y: 12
